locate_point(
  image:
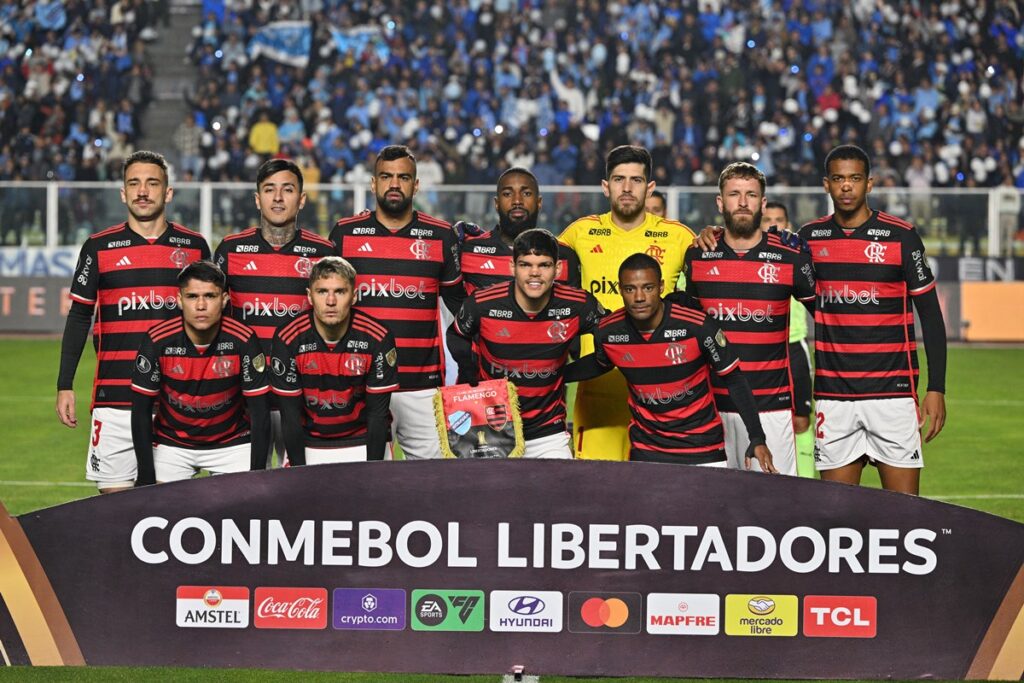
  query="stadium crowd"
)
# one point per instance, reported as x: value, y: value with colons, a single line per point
x: 932, y: 90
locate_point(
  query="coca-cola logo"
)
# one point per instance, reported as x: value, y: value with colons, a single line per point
x: 291, y: 608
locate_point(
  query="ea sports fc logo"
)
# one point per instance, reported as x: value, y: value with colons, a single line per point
x: 605, y: 612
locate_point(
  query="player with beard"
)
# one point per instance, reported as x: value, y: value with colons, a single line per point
x: 602, y: 242
x: 128, y: 276
x: 406, y: 262
x: 267, y: 266
x: 487, y: 259
x: 746, y: 284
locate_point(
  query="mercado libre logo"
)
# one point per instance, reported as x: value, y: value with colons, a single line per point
x: 605, y: 612
x: 447, y: 610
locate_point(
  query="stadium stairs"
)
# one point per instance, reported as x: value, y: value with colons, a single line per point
x: 173, y: 74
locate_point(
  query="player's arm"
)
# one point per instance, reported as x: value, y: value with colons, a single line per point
x: 452, y: 291
x: 259, y: 419
x: 921, y: 284
x: 379, y: 386
x: 84, y: 292
x: 378, y: 405
x: 721, y: 358
x: 146, y: 382
x: 590, y: 366
x: 292, y: 420
x: 573, y: 271
x: 460, y: 336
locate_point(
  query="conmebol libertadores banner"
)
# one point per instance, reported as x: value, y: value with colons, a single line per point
x: 575, y: 567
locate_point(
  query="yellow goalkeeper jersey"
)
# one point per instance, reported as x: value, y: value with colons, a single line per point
x: 601, y: 417
x: 602, y: 246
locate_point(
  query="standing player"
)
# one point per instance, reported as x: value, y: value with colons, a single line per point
x: 267, y: 267
x: 657, y: 204
x: 207, y: 375
x: 602, y: 242
x: 127, y: 275
x: 334, y: 369
x: 775, y: 214
x: 746, y: 285
x: 870, y: 268
x: 405, y: 260
x: 487, y: 259
x: 522, y: 331
x: 666, y: 351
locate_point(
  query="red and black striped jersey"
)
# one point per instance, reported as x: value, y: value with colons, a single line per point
x: 530, y: 350
x: 333, y: 379
x: 133, y: 284
x: 487, y: 260
x: 667, y: 371
x: 864, y: 344
x: 267, y: 284
x: 748, y: 295
x: 200, y: 394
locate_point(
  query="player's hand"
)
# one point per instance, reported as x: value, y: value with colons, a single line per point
x: 464, y: 229
x: 66, y: 408
x: 790, y: 238
x: 801, y: 423
x: 933, y: 410
x: 145, y: 479
x: 708, y: 238
x: 764, y: 458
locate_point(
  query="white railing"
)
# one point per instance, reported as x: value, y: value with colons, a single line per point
x: 57, y: 214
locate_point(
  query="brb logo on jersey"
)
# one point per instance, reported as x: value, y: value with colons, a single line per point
x: 875, y: 252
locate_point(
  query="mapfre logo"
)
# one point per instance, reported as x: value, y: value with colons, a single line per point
x: 695, y: 614
x: 840, y: 616
x: 300, y: 608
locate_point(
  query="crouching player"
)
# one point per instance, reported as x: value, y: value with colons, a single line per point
x: 523, y: 330
x: 665, y: 351
x: 206, y: 374
x: 334, y: 368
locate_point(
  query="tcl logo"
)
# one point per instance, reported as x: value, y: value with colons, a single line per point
x: 291, y: 608
x: 840, y: 616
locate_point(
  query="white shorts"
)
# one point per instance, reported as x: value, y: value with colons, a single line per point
x: 552, y: 446
x: 720, y: 463
x: 886, y: 430
x: 778, y: 434
x: 111, y: 460
x: 413, y: 425
x: 173, y: 463
x: 327, y: 456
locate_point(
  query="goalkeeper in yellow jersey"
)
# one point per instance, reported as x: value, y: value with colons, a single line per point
x: 602, y: 242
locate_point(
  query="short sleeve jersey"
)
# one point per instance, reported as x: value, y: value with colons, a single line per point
x: 667, y: 371
x: 864, y: 345
x: 132, y: 284
x: 267, y: 284
x: 602, y: 246
x: 399, y: 278
x: 487, y: 260
x: 200, y: 393
x: 749, y: 297
x: 530, y: 350
x: 333, y: 379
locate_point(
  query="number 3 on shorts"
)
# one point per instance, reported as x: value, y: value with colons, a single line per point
x: 99, y: 426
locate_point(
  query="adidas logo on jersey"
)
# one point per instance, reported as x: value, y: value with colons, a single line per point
x: 366, y: 248
x: 503, y: 332
x: 597, y: 250
x: 823, y: 252
x: 125, y: 261
x: 628, y: 357
x: 251, y: 265
x: 487, y: 265
x: 714, y: 271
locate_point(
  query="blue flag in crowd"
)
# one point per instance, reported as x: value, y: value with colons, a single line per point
x: 287, y: 42
x: 51, y: 15
x: 357, y: 39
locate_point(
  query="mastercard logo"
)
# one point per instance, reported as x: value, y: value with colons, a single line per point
x: 597, y: 612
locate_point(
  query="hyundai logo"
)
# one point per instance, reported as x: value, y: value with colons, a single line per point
x: 526, y: 605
